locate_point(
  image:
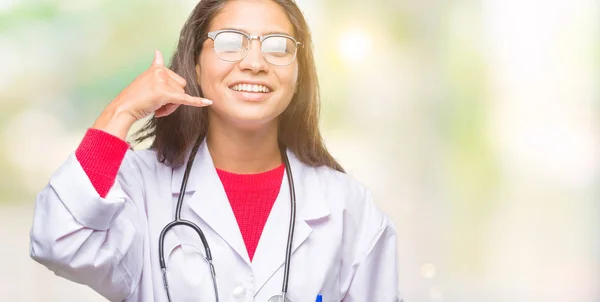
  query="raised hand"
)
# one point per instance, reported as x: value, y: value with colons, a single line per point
x: 157, y: 90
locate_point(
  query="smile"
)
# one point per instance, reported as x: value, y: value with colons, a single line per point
x: 250, y: 88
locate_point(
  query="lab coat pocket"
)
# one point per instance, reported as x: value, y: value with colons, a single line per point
x: 188, y: 274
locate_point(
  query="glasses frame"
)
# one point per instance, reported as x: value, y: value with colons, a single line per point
x: 213, y: 35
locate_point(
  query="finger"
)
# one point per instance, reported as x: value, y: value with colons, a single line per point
x: 158, y: 58
x: 181, y: 81
x: 166, y: 110
x: 174, y: 86
x: 186, y: 99
x: 162, y: 78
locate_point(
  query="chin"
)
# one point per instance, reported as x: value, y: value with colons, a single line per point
x: 247, y: 119
x: 254, y: 123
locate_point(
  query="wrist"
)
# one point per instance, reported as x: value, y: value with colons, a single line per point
x: 115, y: 120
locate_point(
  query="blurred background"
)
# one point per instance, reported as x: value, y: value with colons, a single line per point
x: 476, y: 124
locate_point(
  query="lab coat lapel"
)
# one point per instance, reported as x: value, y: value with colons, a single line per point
x: 209, y: 201
x: 310, y: 204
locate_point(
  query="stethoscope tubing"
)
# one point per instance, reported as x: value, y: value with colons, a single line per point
x: 178, y: 221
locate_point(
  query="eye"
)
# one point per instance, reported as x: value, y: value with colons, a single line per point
x: 227, y: 42
x: 278, y: 46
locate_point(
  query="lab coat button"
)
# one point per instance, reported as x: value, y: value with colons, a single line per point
x: 239, y: 292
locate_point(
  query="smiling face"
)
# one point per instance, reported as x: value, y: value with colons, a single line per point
x: 250, y: 93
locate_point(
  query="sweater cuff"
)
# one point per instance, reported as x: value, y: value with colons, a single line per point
x: 100, y: 155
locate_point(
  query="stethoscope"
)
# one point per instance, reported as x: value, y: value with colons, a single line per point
x: 178, y: 221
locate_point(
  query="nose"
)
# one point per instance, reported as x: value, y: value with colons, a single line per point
x: 254, y: 60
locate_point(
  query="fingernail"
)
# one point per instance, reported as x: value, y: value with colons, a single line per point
x: 206, y: 102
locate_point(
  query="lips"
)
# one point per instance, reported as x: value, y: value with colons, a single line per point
x: 251, y: 91
x: 247, y: 87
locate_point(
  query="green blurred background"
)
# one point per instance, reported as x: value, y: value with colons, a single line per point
x: 474, y: 123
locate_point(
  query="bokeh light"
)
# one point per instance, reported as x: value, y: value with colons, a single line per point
x: 355, y: 46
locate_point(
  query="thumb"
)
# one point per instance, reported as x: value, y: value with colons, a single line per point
x: 158, y: 58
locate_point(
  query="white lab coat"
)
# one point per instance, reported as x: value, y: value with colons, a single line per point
x: 344, y: 247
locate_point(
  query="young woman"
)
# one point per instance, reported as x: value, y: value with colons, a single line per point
x: 237, y: 199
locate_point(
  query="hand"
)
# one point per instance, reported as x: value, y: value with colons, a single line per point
x: 157, y: 90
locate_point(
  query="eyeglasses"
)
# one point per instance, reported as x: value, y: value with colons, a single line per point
x: 233, y: 46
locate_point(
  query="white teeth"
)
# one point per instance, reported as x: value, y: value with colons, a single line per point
x: 250, y: 88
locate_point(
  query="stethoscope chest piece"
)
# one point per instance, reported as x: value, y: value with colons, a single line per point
x: 279, y: 298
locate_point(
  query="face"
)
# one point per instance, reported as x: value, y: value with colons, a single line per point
x: 228, y: 84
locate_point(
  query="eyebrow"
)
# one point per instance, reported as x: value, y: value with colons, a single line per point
x: 264, y: 34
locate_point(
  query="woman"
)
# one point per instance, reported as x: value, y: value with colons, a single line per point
x: 238, y: 112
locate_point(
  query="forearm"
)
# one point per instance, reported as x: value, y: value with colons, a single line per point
x: 100, y: 155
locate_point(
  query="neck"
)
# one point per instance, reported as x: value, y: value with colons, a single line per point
x: 243, y: 151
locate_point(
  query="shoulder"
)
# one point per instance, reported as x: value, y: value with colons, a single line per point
x: 335, y: 183
x: 352, y: 206
x: 345, y: 194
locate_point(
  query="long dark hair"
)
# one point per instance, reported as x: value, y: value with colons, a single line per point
x: 174, y: 135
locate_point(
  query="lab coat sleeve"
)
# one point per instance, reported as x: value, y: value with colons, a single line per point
x: 373, y: 268
x: 88, y: 239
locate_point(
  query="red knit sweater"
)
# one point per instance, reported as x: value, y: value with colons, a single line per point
x: 251, y: 195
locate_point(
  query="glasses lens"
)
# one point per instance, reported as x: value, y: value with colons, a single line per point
x: 279, y: 50
x: 231, y: 46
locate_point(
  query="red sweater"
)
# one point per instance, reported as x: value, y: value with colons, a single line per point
x: 251, y: 195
